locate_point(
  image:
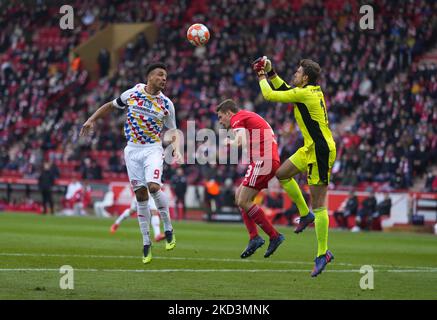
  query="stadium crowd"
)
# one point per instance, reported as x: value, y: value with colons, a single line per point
x: 393, y: 138
x: 367, y: 73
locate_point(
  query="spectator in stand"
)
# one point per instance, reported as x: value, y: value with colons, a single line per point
x: 96, y: 170
x: 8, y: 71
x: 76, y: 63
x: 141, y: 44
x: 384, y: 207
x: 364, y: 216
x: 212, y: 191
x: 4, y: 158
x: 348, y: 207
x: 91, y: 170
x: 179, y: 184
x: 431, y: 183
x: 104, y: 61
x: 46, y: 181
x: 88, y: 17
x: 227, y: 195
x: 86, y: 169
x: 54, y: 170
x: 114, y: 162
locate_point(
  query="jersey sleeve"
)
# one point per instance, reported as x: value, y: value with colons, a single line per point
x: 170, y: 119
x: 120, y: 102
x: 290, y: 95
x: 279, y: 84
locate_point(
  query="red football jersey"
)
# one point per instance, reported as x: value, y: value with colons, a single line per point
x: 261, y: 138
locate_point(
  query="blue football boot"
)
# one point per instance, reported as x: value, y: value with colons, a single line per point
x: 304, y: 222
x: 253, y: 245
x: 320, y: 263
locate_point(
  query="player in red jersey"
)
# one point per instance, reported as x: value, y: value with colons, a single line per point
x: 264, y: 161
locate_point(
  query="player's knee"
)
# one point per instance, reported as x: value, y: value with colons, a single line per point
x: 243, y: 203
x: 318, y: 203
x: 287, y: 170
x: 282, y: 174
x: 142, y: 194
x: 154, y: 187
x: 321, y: 201
x: 236, y: 200
x: 315, y: 203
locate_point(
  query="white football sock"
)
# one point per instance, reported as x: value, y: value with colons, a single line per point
x: 161, y: 202
x: 144, y: 220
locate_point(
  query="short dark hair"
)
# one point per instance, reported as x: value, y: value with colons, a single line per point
x: 154, y: 66
x: 227, y: 105
x: 311, y: 69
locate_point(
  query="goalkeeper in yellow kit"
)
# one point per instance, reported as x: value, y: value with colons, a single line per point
x: 316, y: 157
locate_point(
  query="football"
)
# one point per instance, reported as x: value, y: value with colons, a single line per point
x: 198, y: 35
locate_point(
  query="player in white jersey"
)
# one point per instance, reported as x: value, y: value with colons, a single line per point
x: 148, y: 110
x: 154, y: 220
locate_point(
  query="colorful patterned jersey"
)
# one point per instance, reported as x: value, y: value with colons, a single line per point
x: 146, y: 115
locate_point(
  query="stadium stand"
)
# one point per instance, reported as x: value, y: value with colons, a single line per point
x: 389, y: 99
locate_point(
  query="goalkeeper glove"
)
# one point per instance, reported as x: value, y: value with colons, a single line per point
x: 268, y: 66
x: 259, y: 66
x: 269, y: 69
x: 263, y: 66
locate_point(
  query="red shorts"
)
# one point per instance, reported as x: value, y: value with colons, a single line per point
x: 259, y: 173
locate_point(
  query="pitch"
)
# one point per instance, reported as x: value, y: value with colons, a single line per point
x: 205, y: 263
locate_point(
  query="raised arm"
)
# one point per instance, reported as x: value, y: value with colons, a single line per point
x: 119, y: 103
x: 101, y: 112
x: 281, y: 91
x: 288, y: 95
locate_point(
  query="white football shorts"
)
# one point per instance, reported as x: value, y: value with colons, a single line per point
x: 144, y: 164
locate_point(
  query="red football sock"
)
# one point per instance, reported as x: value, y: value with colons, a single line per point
x: 257, y: 215
x: 250, y: 224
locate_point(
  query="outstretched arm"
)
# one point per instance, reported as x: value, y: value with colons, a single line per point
x: 282, y: 92
x: 278, y: 95
x: 101, y: 112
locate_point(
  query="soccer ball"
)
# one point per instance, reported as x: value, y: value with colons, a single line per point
x: 198, y: 35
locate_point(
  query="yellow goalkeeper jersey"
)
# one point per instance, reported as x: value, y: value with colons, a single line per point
x: 309, y: 111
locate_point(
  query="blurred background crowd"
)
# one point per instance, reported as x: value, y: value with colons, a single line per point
x: 381, y: 100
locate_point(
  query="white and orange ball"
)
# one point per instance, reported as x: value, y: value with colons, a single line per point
x: 198, y: 35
